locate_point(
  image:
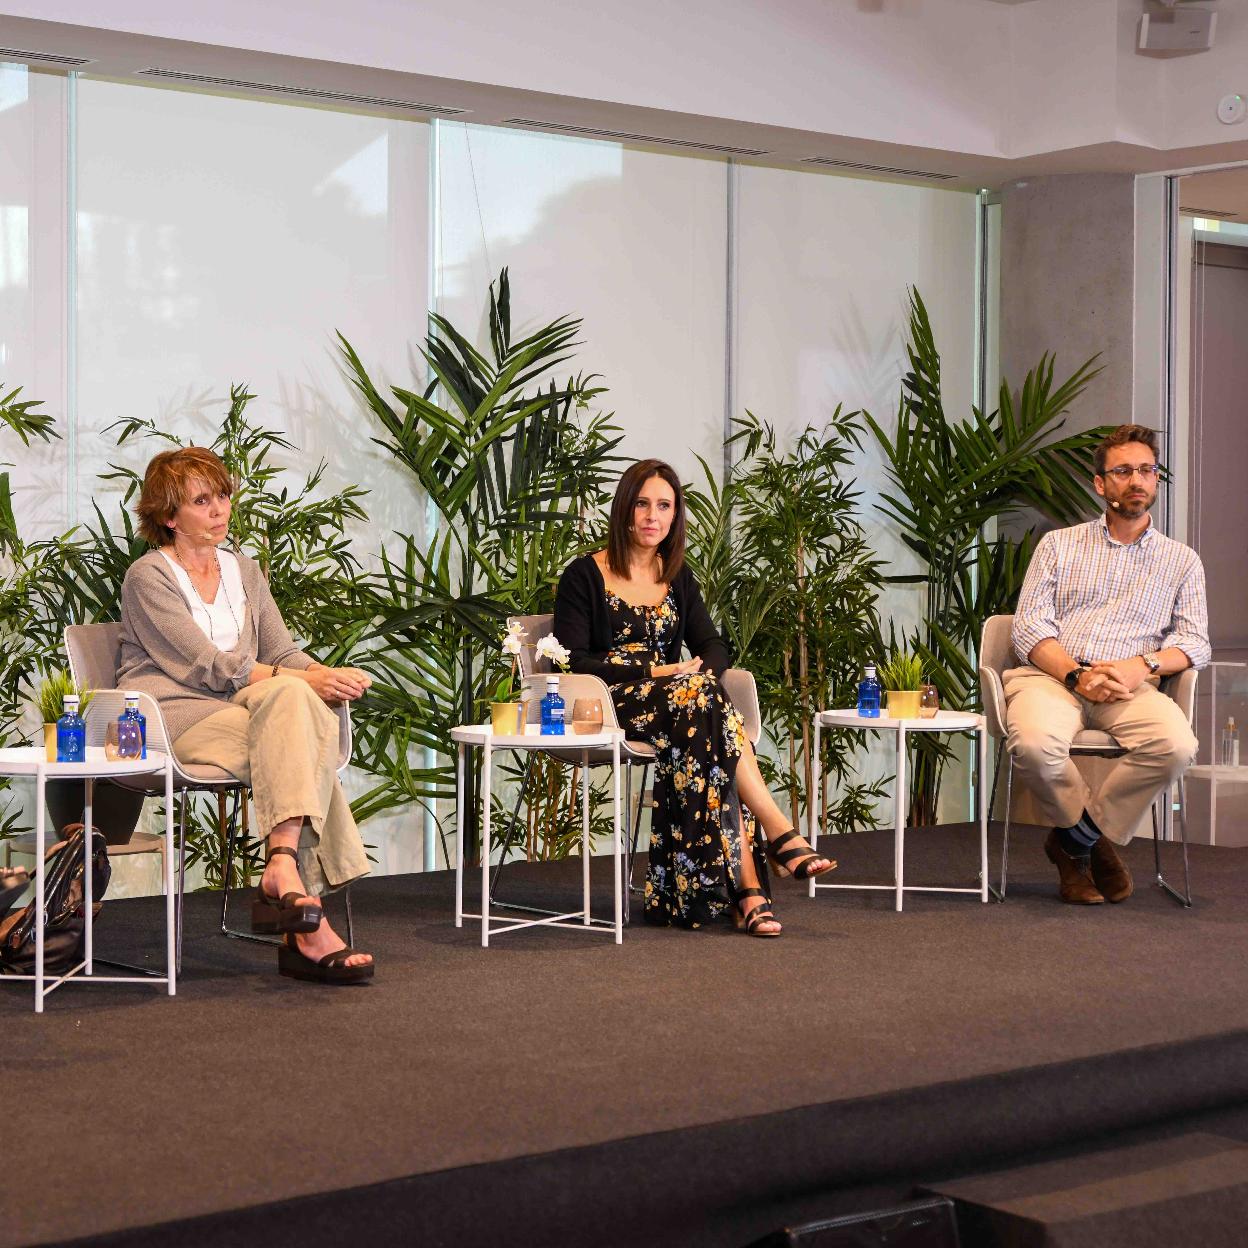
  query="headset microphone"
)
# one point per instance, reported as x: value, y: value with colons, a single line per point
x: 1116, y: 505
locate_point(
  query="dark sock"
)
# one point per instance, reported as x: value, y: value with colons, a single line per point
x: 1079, y: 838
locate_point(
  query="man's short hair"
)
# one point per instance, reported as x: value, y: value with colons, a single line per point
x: 1120, y: 437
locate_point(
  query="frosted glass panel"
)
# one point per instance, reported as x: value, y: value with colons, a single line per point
x: 631, y: 241
x: 224, y: 240
x: 823, y: 269
x: 33, y: 244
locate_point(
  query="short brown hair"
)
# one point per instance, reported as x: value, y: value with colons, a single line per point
x: 166, y: 486
x: 672, y: 547
x: 1120, y: 437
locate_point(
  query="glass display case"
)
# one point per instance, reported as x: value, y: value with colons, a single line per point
x: 1217, y: 786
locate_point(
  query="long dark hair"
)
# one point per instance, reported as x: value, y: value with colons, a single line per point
x: 672, y: 547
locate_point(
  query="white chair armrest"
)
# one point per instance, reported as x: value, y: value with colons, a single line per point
x: 994, y: 701
x: 741, y: 687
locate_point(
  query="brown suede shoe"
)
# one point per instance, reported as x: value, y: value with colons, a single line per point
x: 1110, y: 872
x: 1076, y: 888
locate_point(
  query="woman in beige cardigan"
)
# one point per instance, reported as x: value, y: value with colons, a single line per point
x: 202, y: 634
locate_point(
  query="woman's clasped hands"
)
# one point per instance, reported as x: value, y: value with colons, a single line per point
x: 336, y: 684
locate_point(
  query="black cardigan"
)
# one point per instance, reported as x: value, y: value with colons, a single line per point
x: 583, y: 625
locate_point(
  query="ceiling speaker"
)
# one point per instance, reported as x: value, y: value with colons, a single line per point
x: 1177, y: 32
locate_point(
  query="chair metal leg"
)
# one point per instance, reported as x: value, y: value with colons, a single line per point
x: 626, y: 884
x: 1185, y: 897
x: 177, y: 910
x: 346, y: 897
x: 231, y: 833
x: 632, y: 853
x: 999, y: 894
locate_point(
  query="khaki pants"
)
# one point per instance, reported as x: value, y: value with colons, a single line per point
x: 282, y: 740
x: 1042, y: 717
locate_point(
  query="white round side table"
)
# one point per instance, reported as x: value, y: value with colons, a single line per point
x: 942, y: 721
x: 483, y: 737
x: 31, y: 761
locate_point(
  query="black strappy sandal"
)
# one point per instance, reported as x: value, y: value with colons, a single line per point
x: 12, y: 881
x: 800, y: 856
x: 760, y: 914
x: 270, y: 915
x: 331, y: 969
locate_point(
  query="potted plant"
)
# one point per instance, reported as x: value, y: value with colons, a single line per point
x: 508, y: 709
x: 902, y: 678
x: 51, y: 702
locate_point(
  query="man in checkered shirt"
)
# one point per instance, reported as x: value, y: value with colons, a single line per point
x: 1108, y: 609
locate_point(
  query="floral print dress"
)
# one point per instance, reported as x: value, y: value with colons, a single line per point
x: 698, y: 736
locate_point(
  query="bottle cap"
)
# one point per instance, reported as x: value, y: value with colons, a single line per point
x: 552, y: 681
x: 70, y: 701
x: 870, y: 669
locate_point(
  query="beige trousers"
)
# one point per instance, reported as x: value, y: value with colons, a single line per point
x: 1042, y: 717
x: 282, y: 740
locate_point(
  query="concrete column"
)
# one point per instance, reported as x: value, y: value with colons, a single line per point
x: 1068, y: 285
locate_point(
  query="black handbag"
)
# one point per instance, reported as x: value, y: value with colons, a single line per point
x: 65, y: 927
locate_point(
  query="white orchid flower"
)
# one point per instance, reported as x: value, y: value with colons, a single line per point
x: 515, y: 629
x: 511, y: 644
x: 549, y: 648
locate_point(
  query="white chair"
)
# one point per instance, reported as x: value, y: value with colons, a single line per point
x: 92, y: 650
x: 737, y: 683
x: 996, y: 656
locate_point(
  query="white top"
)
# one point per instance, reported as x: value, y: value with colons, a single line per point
x: 221, y: 620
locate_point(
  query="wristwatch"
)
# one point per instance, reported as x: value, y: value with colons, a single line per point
x: 1153, y: 662
x: 1071, y: 679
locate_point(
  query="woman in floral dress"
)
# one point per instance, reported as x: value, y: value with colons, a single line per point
x: 626, y: 614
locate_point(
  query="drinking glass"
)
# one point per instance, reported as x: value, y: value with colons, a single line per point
x: 586, y: 716
x: 122, y: 740
x: 929, y: 702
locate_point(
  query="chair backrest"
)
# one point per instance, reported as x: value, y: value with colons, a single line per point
x: 535, y: 628
x: 996, y: 655
x: 1182, y: 688
x: 92, y: 650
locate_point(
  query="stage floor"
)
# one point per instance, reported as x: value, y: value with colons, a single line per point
x: 861, y: 1040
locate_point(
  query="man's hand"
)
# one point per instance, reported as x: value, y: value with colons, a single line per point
x: 1101, y: 683
x: 1131, y: 673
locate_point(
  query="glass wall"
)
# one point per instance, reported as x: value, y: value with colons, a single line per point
x: 631, y: 241
x: 158, y: 244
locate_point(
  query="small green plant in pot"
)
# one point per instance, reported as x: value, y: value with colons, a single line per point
x: 508, y: 707
x: 51, y: 703
x: 902, y: 678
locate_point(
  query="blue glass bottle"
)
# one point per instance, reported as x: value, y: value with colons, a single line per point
x: 71, y: 733
x: 132, y: 712
x: 552, y: 709
x: 869, y: 694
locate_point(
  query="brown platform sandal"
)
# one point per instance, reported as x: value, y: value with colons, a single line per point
x: 802, y: 855
x: 331, y: 969
x: 282, y: 914
x: 760, y: 914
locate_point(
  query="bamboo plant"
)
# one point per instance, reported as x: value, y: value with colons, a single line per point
x: 954, y: 483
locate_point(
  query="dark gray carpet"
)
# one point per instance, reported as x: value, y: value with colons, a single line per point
x: 247, y: 1088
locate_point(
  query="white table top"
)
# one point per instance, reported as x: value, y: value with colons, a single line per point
x: 26, y: 760
x: 532, y: 738
x: 942, y: 721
